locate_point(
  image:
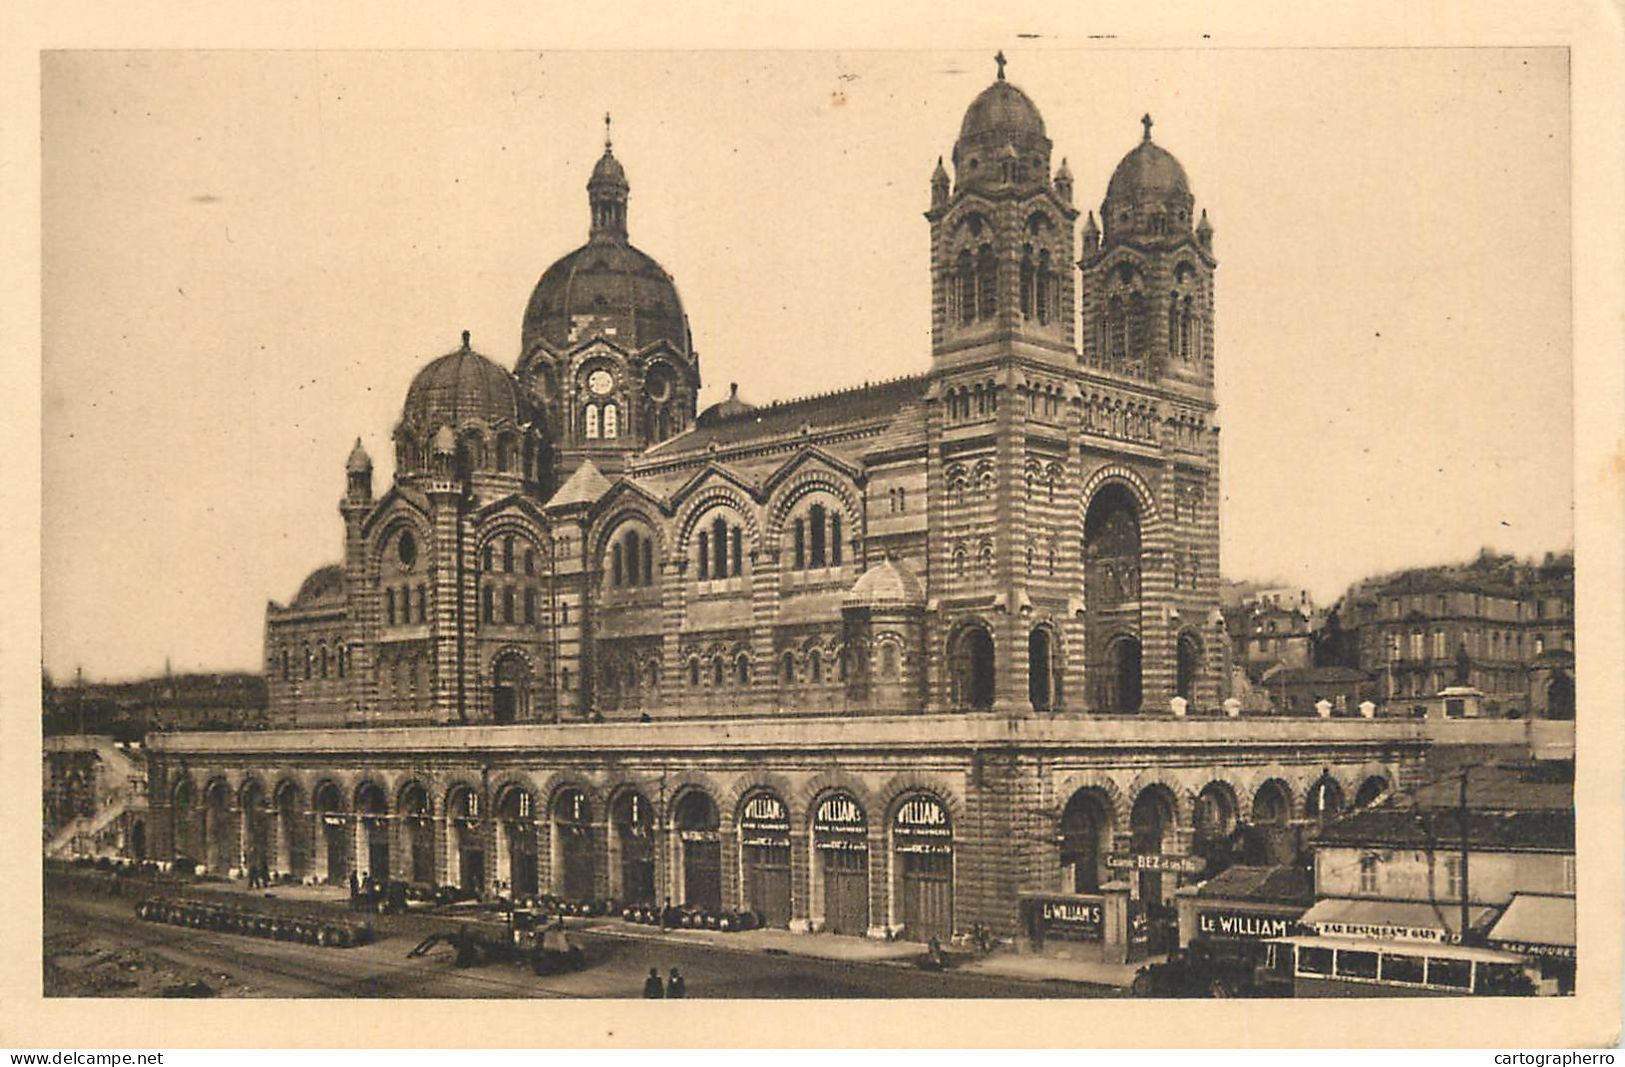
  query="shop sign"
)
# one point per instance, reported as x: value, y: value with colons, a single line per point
x: 840, y: 814
x: 1243, y: 924
x: 699, y: 835
x: 1529, y: 948
x: 937, y: 847
x: 1071, y: 920
x: 923, y: 816
x: 765, y: 814
x: 1156, y: 861
x: 1382, y: 932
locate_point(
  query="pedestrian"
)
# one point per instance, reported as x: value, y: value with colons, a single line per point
x: 676, y: 988
x: 665, y: 915
x: 652, y: 987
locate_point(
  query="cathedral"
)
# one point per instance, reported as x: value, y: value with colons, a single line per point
x: 880, y: 661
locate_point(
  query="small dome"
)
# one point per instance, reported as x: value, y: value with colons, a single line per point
x: 324, y: 584
x: 730, y: 408
x: 1149, y: 170
x: 891, y: 584
x: 608, y: 171
x: 359, y: 462
x: 1002, y: 110
x: 461, y: 387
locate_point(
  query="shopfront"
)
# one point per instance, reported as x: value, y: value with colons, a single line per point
x: 841, y: 857
x: 1063, y: 922
x: 634, y: 840
x: 463, y: 839
x: 1245, y: 904
x: 572, y: 846
x: 1541, y: 928
x: 923, y: 851
x: 764, y: 844
x: 699, y: 841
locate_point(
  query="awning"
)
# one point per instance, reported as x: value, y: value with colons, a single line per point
x: 1394, y: 920
x: 1537, y: 926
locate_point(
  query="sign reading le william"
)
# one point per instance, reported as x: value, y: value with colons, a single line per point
x: 1156, y: 861
x: 1243, y: 924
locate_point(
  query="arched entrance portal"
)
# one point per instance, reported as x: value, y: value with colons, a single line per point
x: 764, y: 847
x: 634, y: 837
x: 922, y: 842
x: 1189, y: 665
x: 138, y: 839
x: 1217, y: 821
x: 971, y: 659
x: 290, y: 831
x: 418, y: 822
x: 1325, y: 798
x: 1272, y: 820
x: 217, y: 828
x: 1041, y: 679
x: 516, y: 842
x: 700, y: 844
x: 333, y: 851
x: 1111, y: 591
x: 841, y: 844
x: 1085, y: 839
x: 256, y: 825
x: 466, y: 851
x: 1149, y: 821
x: 372, y: 844
x: 510, y: 689
x: 572, y: 846
x: 1560, y: 697
x: 180, y: 819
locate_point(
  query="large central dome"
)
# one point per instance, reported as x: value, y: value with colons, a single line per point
x: 1002, y: 144
x: 607, y: 287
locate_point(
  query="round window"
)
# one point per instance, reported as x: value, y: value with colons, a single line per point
x: 406, y: 549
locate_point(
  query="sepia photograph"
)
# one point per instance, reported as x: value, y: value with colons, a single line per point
x: 1021, y: 521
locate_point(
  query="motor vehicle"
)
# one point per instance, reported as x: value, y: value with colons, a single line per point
x: 1208, y: 968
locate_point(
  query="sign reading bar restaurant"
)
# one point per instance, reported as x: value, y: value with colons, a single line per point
x: 839, y: 823
x: 1156, y: 861
x: 1382, y: 931
x: 765, y: 821
x: 1243, y: 924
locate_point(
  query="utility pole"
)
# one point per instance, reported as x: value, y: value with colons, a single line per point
x: 1461, y: 822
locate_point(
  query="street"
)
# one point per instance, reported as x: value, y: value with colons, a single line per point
x: 95, y: 947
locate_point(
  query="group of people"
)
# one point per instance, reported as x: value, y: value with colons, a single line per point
x: 365, y: 892
x: 673, y: 988
x: 259, y: 874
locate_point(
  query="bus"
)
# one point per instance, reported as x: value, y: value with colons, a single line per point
x: 1351, y: 967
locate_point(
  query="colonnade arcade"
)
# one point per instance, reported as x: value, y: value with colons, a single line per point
x: 835, y: 854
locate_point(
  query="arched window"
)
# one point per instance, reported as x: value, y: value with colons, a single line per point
x: 835, y: 538
x: 488, y: 604
x: 1173, y: 323
x: 739, y: 551
x: 507, y: 554
x: 1027, y: 282
x: 307, y: 661
x: 323, y: 660
x: 742, y: 669
x: 1045, y: 288
x: 888, y: 660
x: 341, y: 658
x: 967, y: 289
x: 717, y: 672
x: 616, y: 568
x: 423, y: 603
x: 592, y: 425
x: 787, y: 668
x: 530, y: 562
x: 800, y: 538
x: 1139, y: 326
x: 815, y: 519
x: 507, y: 604
x: 284, y: 665
x: 694, y: 671
x: 488, y: 558
x: 1186, y: 330
x: 959, y: 561
x: 632, y: 557
x: 719, y: 547
x: 987, y: 305
x: 389, y: 606
x: 1116, y: 329
x: 648, y: 569
x: 985, y: 554
x: 530, y: 605
x: 705, y: 555
x: 815, y: 666
x: 612, y: 422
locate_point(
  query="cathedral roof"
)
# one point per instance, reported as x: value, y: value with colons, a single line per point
x: 605, y: 287
x: 1149, y: 169
x: 324, y: 584
x: 890, y: 584
x: 860, y: 404
x: 585, y: 486
x: 1002, y: 110
x: 459, y: 387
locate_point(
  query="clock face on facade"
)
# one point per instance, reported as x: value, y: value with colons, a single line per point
x: 600, y: 382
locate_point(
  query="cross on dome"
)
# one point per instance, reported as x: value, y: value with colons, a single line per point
x: 607, y: 142
x: 1000, y: 60
x: 1145, y: 120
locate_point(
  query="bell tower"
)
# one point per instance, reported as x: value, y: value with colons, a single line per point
x: 1001, y: 236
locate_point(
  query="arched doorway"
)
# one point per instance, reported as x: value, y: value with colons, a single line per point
x: 216, y: 828
x: 1041, y: 669
x: 510, y: 689
x: 1086, y: 828
x: 255, y: 823
x: 1325, y: 798
x: 1111, y: 591
x: 634, y: 837
x: 372, y: 846
x: 465, y: 849
x: 572, y: 846
x: 764, y: 849
x: 1560, y: 697
x: 332, y: 852
x: 180, y: 819
x: 841, y: 845
x: 290, y: 831
x: 1189, y: 666
x: 1149, y: 822
x: 138, y: 839
x: 418, y: 824
x: 922, y: 844
x: 516, y: 842
x: 971, y: 659
x: 1120, y: 683
x: 700, y: 844
x: 1272, y: 820
x: 1371, y: 790
x: 1217, y: 818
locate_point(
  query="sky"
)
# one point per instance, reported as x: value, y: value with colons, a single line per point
x: 247, y: 256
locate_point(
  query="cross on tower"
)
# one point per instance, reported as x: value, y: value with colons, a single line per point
x: 1000, y: 60
x: 1145, y: 120
x: 606, y: 131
